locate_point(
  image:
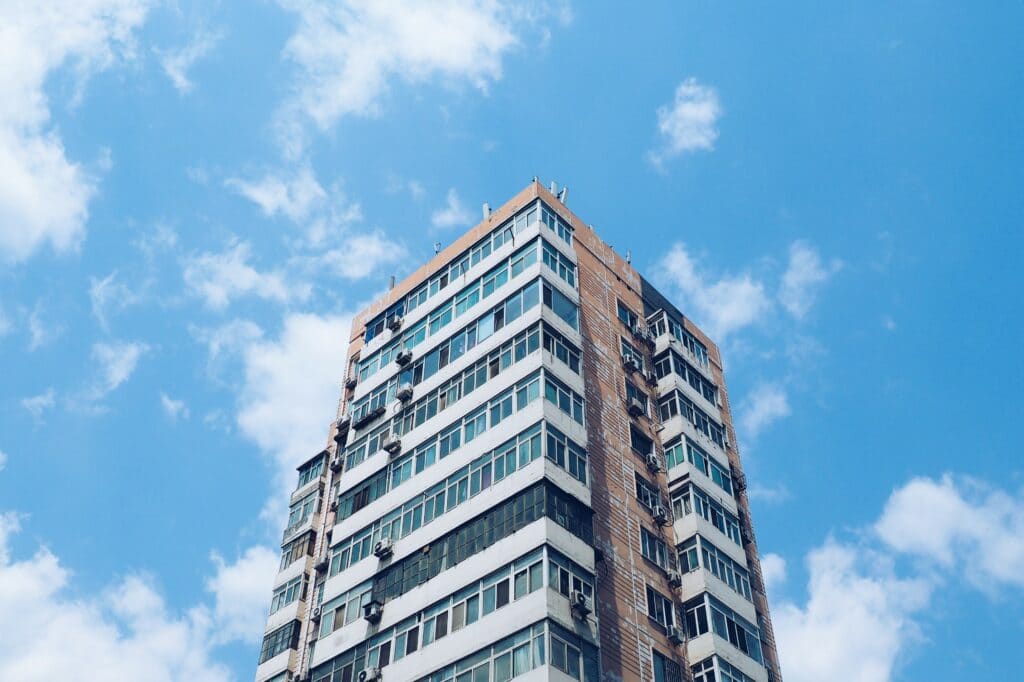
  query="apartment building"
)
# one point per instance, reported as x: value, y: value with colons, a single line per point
x: 533, y: 475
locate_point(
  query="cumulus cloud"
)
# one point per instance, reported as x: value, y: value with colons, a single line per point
x: 225, y: 341
x: 347, y: 53
x: 218, y: 278
x: 38, y: 404
x: 178, y: 62
x: 44, y: 196
x: 125, y: 632
x: 278, y: 194
x: 109, y: 295
x: 804, y: 275
x: 964, y: 525
x: 689, y: 123
x: 241, y: 590
x: 765, y: 405
x: 40, y: 332
x: 858, y: 621
x: 116, y: 362
x: 173, y: 408
x: 361, y: 255
x: 291, y: 388
x: 454, y: 214
x: 725, y: 305
x: 773, y: 571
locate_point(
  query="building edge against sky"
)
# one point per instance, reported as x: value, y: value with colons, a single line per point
x: 533, y: 475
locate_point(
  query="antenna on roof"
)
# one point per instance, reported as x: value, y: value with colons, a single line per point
x: 553, y: 187
x: 437, y: 248
x: 391, y: 283
x: 629, y: 256
x: 487, y: 211
x: 563, y: 194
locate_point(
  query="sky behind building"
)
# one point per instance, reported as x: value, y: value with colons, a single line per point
x: 194, y: 200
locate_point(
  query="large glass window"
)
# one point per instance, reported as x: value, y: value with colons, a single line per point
x: 698, y: 552
x: 681, y: 451
x: 690, y: 499
x: 665, y: 669
x: 726, y: 623
x: 659, y: 608
x: 280, y: 640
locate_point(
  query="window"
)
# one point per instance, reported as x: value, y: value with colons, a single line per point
x: 665, y: 669
x: 566, y: 577
x: 563, y: 397
x: 560, y: 264
x: 441, y: 498
x: 514, y: 655
x: 725, y: 622
x: 280, y: 640
x: 310, y: 471
x: 561, y: 348
x: 675, y: 403
x: 705, y: 671
x: 565, y: 453
x: 646, y: 492
x: 671, y: 362
x: 298, y: 548
x: 690, y: 499
x: 659, y: 608
x: 556, y: 225
x: 560, y: 304
x: 640, y: 443
x: 300, y: 512
x: 663, y: 324
x: 291, y: 591
x: 653, y: 548
x: 344, y: 609
x: 627, y: 316
x: 631, y: 353
x: 634, y: 393
x: 676, y: 453
x: 699, y: 552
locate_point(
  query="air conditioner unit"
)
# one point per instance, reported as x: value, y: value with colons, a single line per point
x: 336, y: 463
x: 404, y: 392
x: 351, y: 382
x: 635, y: 407
x: 653, y: 462
x: 404, y: 357
x: 630, y: 364
x: 395, y: 323
x: 373, y: 611
x: 383, y: 549
x: 660, y: 515
x: 580, y: 604
x: 370, y: 675
x: 651, y: 378
x: 392, y: 445
x: 344, y: 424
x: 675, y: 635
x: 321, y: 566
x: 675, y: 578
x: 315, y: 613
x: 333, y: 506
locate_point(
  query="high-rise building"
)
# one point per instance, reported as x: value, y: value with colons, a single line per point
x: 533, y: 475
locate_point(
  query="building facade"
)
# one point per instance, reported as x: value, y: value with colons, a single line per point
x: 533, y: 475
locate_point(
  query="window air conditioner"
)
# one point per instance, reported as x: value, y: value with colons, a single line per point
x: 370, y: 675
x: 675, y: 635
x: 630, y: 364
x: 383, y: 549
x: 351, y: 382
x: 395, y: 323
x: 336, y: 463
x: 580, y: 604
x: 404, y: 357
x: 404, y: 392
x: 653, y: 463
x: 660, y: 515
x: 392, y: 445
x: 373, y: 611
x: 675, y: 578
x: 635, y: 407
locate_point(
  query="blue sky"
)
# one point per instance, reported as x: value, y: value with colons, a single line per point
x: 195, y: 198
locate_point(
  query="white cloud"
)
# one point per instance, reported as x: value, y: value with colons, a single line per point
x: 177, y: 63
x: 126, y: 632
x: 219, y: 277
x: 804, y: 275
x: 766, y: 404
x: 689, y: 122
x: 38, y: 404
x: 40, y: 333
x: 173, y: 408
x: 226, y: 340
x: 725, y: 305
x: 961, y: 525
x: 294, y: 197
x: 773, y: 571
x: 291, y: 389
x: 348, y: 52
x: 858, y: 621
x: 44, y: 197
x: 361, y: 255
x: 241, y: 592
x: 454, y: 214
x: 107, y: 295
x: 117, y: 362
